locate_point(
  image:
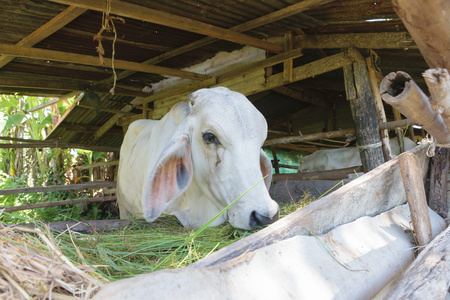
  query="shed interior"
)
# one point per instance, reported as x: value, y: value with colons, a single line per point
x: 48, y: 49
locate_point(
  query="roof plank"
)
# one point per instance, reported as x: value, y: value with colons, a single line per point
x: 94, y: 61
x: 58, y: 22
x: 163, y: 18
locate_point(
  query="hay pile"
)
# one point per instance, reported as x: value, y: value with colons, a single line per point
x: 32, y: 267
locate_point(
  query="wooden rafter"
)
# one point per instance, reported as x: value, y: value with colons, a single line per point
x: 261, y: 21
x: 163, y: 18
x: 61, y: 20
x: 93, y: 61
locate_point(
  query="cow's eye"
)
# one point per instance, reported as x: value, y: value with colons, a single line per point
x: 210, y: 138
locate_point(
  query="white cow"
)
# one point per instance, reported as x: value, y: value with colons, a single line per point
x: 197, y: 160
x: 325, y: 160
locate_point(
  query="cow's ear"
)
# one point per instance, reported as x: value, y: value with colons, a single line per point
x: 266, y: 168
x: 171, y: 176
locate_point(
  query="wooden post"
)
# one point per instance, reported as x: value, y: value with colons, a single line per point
x: 364, y: 113
x: 398, y: 131
x: 374, y: 86
x: 438, y: 181
x: 427, y: 277
x: 415, y: 194
x: 276, y: 165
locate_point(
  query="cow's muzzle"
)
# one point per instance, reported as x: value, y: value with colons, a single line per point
x: 258, y: 220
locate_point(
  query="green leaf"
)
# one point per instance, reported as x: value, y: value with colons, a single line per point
x: 45, y: 122
x: 96, y: 155
x: 14, y: 120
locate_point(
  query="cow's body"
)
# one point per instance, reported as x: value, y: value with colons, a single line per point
x: 195, y: 161
x: 325, y: 160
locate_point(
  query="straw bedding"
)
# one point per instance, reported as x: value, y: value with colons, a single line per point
x: 32, y: 267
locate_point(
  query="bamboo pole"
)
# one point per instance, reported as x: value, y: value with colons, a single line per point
x: 399, y: 90
x: 59, y: 203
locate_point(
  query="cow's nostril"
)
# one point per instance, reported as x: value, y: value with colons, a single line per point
x: 258, y: 220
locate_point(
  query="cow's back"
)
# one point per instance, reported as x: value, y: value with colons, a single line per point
x: 142, y: 145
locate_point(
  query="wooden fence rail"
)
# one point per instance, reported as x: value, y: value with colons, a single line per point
x: 58, y: 203
x: 90, y: 185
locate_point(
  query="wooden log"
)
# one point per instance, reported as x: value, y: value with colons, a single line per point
x: 395, y: 124
x: 439, y: 167
x: 96, y: 226
x: 429, y: 26
x: 399, y: 90
x: 310, y: 137
x: 364, y: 113
x: 67, y: 187
x: 369, y: 195
x: 374, y: 87
x: 428, y: 276
x: 318, y: 175
x: 58, y: 203
x: 438, y: 82
x: 415, y: 194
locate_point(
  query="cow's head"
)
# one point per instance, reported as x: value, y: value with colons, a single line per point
x: 216, y: 150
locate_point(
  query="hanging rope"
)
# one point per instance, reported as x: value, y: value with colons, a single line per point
x: 108, y: 26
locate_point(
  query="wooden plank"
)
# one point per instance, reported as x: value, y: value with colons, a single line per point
x: 310, y: 137
x: 439, y: 167
x: 58, y: 203
x: 57, y: 144
x: 415, y: 194
x: 110, y: 123
x: 428, y: 276
x: 67, y: 187
x: 269, y: 18
x: 321, y: 66
x: 96, y: 226
x: 379, y: 40
x: 163, y: 18
x: 364, y: 113
x: 429, y: 26
x: 44, y: 54
x: 51, y: 102
x: 369, y: 195
x: 65, y: 86
x: 318, y: 175
x: 58, y: 22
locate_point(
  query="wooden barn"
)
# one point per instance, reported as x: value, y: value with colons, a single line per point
x: 318, y: 71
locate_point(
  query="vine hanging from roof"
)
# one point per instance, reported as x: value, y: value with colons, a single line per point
x: 108, y: 26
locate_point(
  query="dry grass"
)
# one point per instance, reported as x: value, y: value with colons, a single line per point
x: 32, y: 267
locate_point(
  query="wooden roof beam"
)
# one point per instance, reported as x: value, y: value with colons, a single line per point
x: 379, y: 40
x: 261, y: 21
x: 61, y: 20
x: 166, y: 19
x: 65, y: 86
x: 93, y: 61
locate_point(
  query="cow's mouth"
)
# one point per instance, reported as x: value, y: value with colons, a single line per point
x: 257, y: 220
